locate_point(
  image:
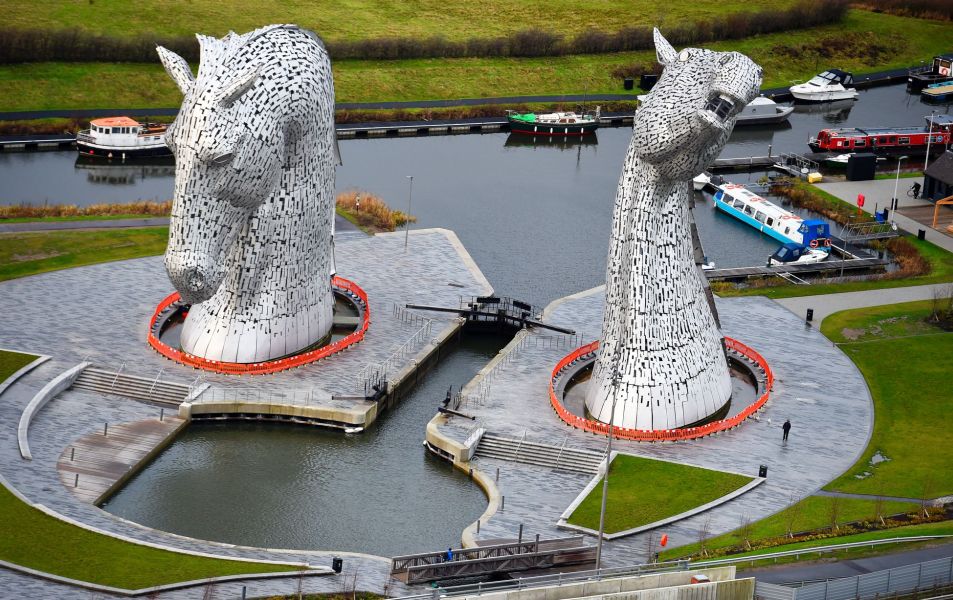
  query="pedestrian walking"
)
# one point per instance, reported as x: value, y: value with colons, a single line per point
x: 449, y: 554
x: 787, y: 429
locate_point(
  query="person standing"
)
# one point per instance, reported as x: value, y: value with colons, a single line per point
x: 787, y: 429
x: 449, y: 555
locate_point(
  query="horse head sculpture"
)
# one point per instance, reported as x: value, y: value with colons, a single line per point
x: 662, y: 364
x: 251, y: 234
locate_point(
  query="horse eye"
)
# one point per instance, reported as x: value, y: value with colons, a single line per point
x: 683, y: 56
x: 222, y: 159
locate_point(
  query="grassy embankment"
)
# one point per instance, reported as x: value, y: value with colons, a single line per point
x: 631, y: 502
x: 33, y: 539
x: 939, y: 267
x: 863, y: 42
x: 901, y: 355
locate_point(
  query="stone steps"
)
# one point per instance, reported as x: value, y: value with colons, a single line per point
x: 543, y: 455
x: 131, y: 386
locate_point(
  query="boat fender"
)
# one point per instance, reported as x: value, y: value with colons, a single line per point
x: 813, y: 243
x: 827, y: 243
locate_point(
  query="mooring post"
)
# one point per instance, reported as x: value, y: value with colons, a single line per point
x: 520, y: 539
x: 497, y: 473
x: 161, y: 414
x: 76, y: 481
x: 243, y: 592
x: 105, y: 429
x: 478, y: 525
x: 72, y: 453
x: 502, y: 503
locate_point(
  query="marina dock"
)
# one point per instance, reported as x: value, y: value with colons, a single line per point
x: 827, y: 267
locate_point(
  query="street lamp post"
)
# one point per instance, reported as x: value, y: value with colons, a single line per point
x: 410, y: 197
x: 926, y: 162
x: 896, y: 184
x: 616, y: 379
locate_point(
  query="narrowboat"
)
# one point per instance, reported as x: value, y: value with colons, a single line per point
x: 122, y: 137
x: 940, y: 70
x: 896, y: 140
x: 558, y: 123
x: 770, y: 219
x: 830, y: 85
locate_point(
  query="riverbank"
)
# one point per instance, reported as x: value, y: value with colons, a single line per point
x: 863, y: 42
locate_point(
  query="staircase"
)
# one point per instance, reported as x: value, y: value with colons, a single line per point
x: 131, y: 386
x: 543, y: 455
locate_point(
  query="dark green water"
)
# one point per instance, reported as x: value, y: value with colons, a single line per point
x: 295, y: 486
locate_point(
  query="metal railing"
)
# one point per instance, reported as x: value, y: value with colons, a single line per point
x: 869, y: 230
x: 813, y: 550
x: 376, y: 374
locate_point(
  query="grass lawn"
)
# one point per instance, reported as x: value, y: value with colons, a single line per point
x: 910, y: 175
x: 941, y: 271
x: 11, y: 362
x: 643, y: 491
x: 814, y: 512
x: 903, y: 361
x: 785, y: 57
x: 24, y: 254
x: 36, y: 540
x: 77, y: 218
x: 362, y: 19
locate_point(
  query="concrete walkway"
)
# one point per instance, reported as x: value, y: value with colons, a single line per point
x: 828, y: 304
x: 828, y: 494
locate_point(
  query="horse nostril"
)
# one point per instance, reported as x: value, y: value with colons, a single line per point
x: 195, y: 280
x: 223, y: 159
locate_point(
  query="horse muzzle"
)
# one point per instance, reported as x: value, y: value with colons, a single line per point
x: 194, y: 282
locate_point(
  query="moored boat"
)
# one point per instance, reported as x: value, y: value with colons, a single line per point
x: 828, y: 86
x: 940, y: 70
x: 763, y: 111
x: 938, y: 92
x: 122, y: 137
x: 558, y: 123
x: 797, y: 254
x: 885, y: 140
x: 770, y: 219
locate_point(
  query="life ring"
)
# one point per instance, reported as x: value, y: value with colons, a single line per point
x: 813, y: 243
x: 827, y: 243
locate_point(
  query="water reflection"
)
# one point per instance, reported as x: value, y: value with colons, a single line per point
x: 119, y: 172
x: 567, y: 142
x: 835, y: 112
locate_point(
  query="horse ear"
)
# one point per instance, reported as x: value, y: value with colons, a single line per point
x: 238, y: 86
x: 663, y: 50
x: 177, y: 69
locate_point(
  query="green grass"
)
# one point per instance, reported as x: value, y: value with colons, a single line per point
x: 907, y: 371
x: 643, y: 491
x: 811, y: 513
x: 33, y: 539
x: 941, y: 271
x: 910, y: 175
x: 11, y: 362
x: 23, y: 254
x: 76, y: 218
x: 98, y: 85
x: 361, y: 19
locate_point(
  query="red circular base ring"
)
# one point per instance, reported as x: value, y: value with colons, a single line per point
x: 268, y: 366
x: 660, y: 435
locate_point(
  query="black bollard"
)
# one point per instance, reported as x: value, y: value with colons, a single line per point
x: 810, y: 315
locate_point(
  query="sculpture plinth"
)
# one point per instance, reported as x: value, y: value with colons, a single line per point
x: 662, y: 363
x: 251, y: 239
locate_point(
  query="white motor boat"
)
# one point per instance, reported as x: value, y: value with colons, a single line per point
x: 829, y: 86
x: 763, y: 111
x: 122, y: 137
x: 700, y: 181
x: 797, y: 254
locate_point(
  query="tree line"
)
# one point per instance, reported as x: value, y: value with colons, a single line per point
x: 76, y: 45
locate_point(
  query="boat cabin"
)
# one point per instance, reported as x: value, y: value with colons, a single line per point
x: 122, y: 136
x: 789, y: 252
x: 815, y: 233
x: 832, y: 77
x: 940, y: 70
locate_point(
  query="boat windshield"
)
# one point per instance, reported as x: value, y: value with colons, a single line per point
x: 782, y: 253
x: 824, y: 78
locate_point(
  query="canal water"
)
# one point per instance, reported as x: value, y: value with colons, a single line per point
x: 277, y: 485
x: 535, y: 217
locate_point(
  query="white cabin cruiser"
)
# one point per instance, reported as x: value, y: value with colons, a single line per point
x: 797, y: 254
x: 122, y: 137
x: 763, y: 111
x: 830, y: 85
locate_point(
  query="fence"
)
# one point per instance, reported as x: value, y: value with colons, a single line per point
x: 907, y: 578
x: 258, y: 396
x: 375, y: 375
x: 660, y: 435
x: 271, y: 366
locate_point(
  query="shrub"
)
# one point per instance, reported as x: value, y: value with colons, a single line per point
x: 29, y: 211
x: 926, y: 9
x: 373, y: 213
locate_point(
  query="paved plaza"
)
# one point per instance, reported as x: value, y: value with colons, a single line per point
x: 816, y: 386
x: 100, y: 313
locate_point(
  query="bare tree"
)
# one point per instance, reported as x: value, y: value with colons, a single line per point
x: 745, y: 530
x: 879, y: 503
x: 703, y: 534
x: 833, y: 512
x: 926, y: 495
x: 792, y: 514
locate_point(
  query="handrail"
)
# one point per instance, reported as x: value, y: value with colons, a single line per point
x: 830, y: 548
x: 269, y: 366
x: 660, y: 435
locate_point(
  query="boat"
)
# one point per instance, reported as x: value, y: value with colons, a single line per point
x: 797, y: 254
x: 770, y: 219
x: 122, y: 137
x: 763, y: 111
x: 940, y: 70
x: 700, y: 181
x: 838, y: 161
x: 896, y: 140
x: 828, y: 86
x: 938, y: 92
x: 557, y: 123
